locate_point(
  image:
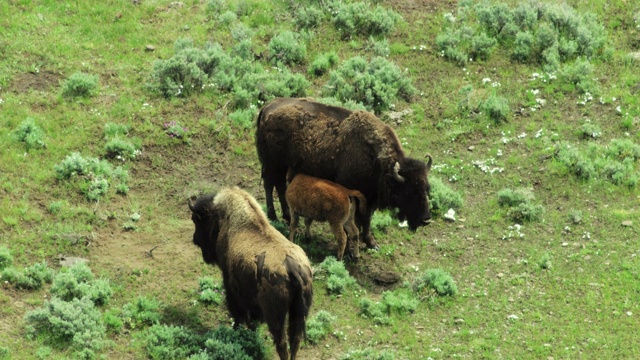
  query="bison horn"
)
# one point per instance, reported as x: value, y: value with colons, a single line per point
x: 396, y: 172
x: 428, y: 156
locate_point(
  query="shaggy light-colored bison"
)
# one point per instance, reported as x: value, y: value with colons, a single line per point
x: 352, y: 148
x: 265, y: 276
x: 323, y: 200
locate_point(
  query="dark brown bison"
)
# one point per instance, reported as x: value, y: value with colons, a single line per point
x: 323, y: 200
x: 265, y: 276
x: 352, y: 148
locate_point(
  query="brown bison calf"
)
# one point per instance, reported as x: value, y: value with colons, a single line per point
x: 265, y: 276
x: 323, y: 200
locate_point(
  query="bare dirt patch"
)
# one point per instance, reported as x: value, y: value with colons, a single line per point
x: 40, y: 81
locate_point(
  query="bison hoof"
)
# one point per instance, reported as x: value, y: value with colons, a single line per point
x: 371, y: 242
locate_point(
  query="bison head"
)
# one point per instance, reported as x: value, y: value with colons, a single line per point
x: 205, y: 218
x: 409, y: 191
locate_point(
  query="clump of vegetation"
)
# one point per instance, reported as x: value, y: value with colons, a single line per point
x: 381, y: 220
x: 112, y: 130
x: 496, y: 108
x: 175, y: 130
x: 121, y: 149
x: 337, y: 276
x: 30, y: 134
x: 616, y: 163
x: 75, y: 324
x: 243, y: 118
x: 589, y: 130
x: 319, y: 326
x: 193, y: 69
x: 377, y: 84
x: 374, y: 311
x: 6, y: 259
x: 435, y: 281
x: 398, y: 302
x: 323, y: 63
x: 534, y: 32
x: 164, y: 342
x: 210, y: 291
x: 78, y: 281
x: 545, y: 262
x: 308, y: 17
x: 94, y: 175
x: 80, y: 85
x: 141, y: 312
x: 442, y: 197
x: 358, y: 18
x: 32, y: 278
x: 287, y: 49
x: 521, y: 204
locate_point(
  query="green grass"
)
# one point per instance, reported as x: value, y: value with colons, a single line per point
x: 563, y: 286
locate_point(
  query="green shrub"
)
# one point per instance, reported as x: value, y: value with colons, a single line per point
x: 112, y: 130
x: 308, y: 17
x: 496, y: 108
x: 437, y: 281
x: 6, y: 259
x: 243, y: 118
x: 319, y: 326
x: 287, y: 49
x: 243, y: 50
x: 77, y: 282
x: 575, y: 162
x: 376, y: 84
x: 323, y: 63
x: 545, y: 262
x: 121, y: 149
x: 357, y: 18
x: 227, y: 18
x: 590, y: 131
x: 520, y: 204
x: 175, y: 130
x: 32, y: 278
x: 210, y: 292
x: 5, y: 354
x: 165, y: 342
x: 523, y: 46
x: 75, y: 324
x: 141, y: 312
x: 381, y: 220
x: 482, y: 46
x: 378, y: 47
x: 241, y: 32
x: 579, y: 74
x: 112, y: 321
x: 80, y: 85
x: 442, y: 197
x: 375, y: 311
x: 399, y: 302
x: 30, y: 134
x: 244, y: 341
x: 623, y: 149
x: 337, y: 277
x: 95, y: 188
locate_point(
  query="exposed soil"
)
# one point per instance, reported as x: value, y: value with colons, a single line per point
x: 34, y: 81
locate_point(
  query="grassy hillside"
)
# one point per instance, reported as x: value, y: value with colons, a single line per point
x: 114, y: 113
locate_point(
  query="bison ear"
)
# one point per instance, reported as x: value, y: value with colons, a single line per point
x: 429, y: 161
x: 190, y: 203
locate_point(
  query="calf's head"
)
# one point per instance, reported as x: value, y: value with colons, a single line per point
x: 410, y: 191
x: 206, y: 220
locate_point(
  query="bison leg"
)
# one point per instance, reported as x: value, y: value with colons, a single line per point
x: 366, y: 234
x: 341, y: 237
x: 307, y: 224
x: 293, y: 226
x: 275, y: 322
x: 281, y: 188
x: 268, y: 192
x: 352, y: 240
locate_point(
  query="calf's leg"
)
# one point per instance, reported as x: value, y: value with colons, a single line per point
x: 341, y: 237
x: 293, y: 226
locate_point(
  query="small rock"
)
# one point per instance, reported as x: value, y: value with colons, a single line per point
x: 627, y: 223
x: 150, y: 48
x: 565, y: 243
x: 458, y: 321
x: 471, y: 148
x: 500, y: 275
x: 450, y: 215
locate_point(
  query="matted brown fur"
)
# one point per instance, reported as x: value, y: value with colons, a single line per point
x: 323, y: 200
x: 266, y: 277
x: 352, y: 148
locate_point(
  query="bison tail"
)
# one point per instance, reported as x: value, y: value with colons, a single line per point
x: 301, y: 298
x: 362, y: 202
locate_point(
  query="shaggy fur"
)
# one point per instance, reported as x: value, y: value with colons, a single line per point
x: 352, y: 148
x: 265, y: 276
x: 323, y: 200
